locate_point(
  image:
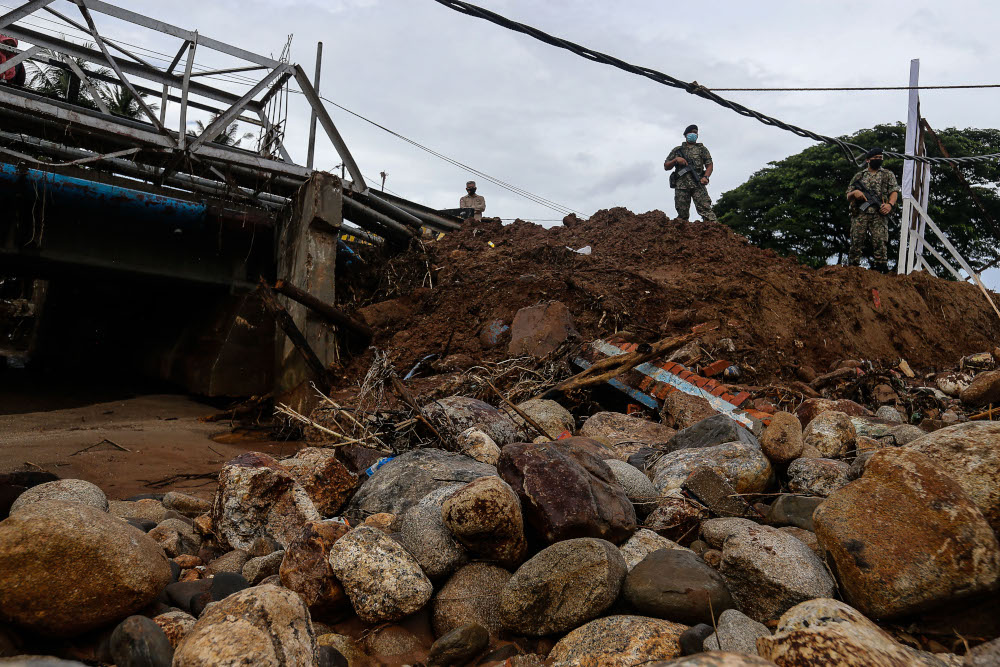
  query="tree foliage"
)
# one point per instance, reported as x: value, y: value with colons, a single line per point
x: 798, y: 205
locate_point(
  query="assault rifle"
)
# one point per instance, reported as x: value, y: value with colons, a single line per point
x: 688, y: 168
x: 871, y: 199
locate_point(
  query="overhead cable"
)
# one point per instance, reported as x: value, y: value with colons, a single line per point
x: 692, y: 87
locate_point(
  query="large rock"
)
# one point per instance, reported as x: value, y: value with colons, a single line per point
x: 66, y: 568
x: 146, y: 509
x: 813, y: 407
x: 833, y: 632
x: 681, y: 410
x: 404, y: 481
x: 183, y: 503
x: 485, y: 516
x: 817, y: 477
x: 177, y: 537
x: 769, y: 572
x: 737, y: 632
x: 637, y: 486
x: 743, y: 465
x: 782, y: 439
x: 305, y: 567
x: 906, y: 537
x: 715, y: 532
x: 455, y: 414
x: 477, y: 445
x: 678, y: 586
x: 831, y: 433
x: 139, y: 641
x: 643, y: 543
x: 472, y: 595
x: 67, y: 490
x: 383, y: 581
x: 423, y: 533
x: 715, y: 430
x: 618, y: 641
x: 970, y: 454
x: 257, y: 498
x: 540, y: 330
x: 566, y: 492
x: 563, y: 586
x: 552, y: 417
x: 327, y: 481
x: 459, y: 646
x: 266, y: 625
x: 625, y: 433
x: 983, y: 390
x: 717, y: 659
x: 790, y: 510
x: 676, y: 517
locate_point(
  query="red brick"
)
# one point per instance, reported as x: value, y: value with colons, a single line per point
x: 740, y: 398
x: 646, y: 383
x: 719, y: 391
x: 661, y: 390
x: 715, y: 368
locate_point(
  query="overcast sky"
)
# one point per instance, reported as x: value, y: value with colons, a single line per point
x: 589, y: 136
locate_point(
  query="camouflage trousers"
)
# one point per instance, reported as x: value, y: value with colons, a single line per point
x: 702, y: 203
x: 863, y: 226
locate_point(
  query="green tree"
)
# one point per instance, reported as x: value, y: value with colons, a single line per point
x: 228, y: 137
x: 56, y: 82
x: 797, y: 205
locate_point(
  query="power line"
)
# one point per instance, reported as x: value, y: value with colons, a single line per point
x: 692, y: 87
x: 852, y: 88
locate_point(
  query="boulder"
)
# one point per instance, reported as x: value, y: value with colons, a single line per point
x: 678, y: 586
x: 643, y: 543
x: 327, y: 481
x: 693, y: 638
x: 618, y: 641
x: 737, y: 633
x: 66, y: 490
x: 906, y: 537
x: 260, y: 568
x: 782, y: 439
x: 970, y: 454
x: 455, y: 414
x: 812, y: 407
x: 807, y: 538
x: 625, y: 433
x: 424, y: 534
x: 70, y: 567
x: 188, y: 505
x: 563, y: 586
x: 769, y: 572
x: 140, y: 642
x: 477, y: 445
x: 382, y: 580
x: 904, y: 434
x: 459, y: 646
x: 540, y: 330
x: 404, y: 481
x: 953, y: 384
x: 231, y: 561
x: 835, y: 631
x: 552, y: 417
x: 869, y: 427
x: 715, y: 532
x: 177, y: 537
x: 983, y: 390
x: 485, y: 516
x: 790, y: 510
x: 259, y: 498
x: 715, y: 492
x: 743, y: 465
x: 715, y: 430
x: 175, y: 625
x: 566, y: 492
x: 638, y: 489
x: 265, y: 625
x: 717, y: 659
x: 681, y: 410
x: 395, y: 644
x: 471, y: 595
x: 676, y: 517
x: 831, y: 433
x: 305, y: 568
x: 817, y: 477
x: 890, y: 414
x: 147, y: 509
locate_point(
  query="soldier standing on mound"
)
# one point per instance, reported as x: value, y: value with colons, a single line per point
x: 872, y: 195
x: 694, y: 168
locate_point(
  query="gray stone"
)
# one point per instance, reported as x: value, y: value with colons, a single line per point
x: 563, y: 586
x: 540, y: 330
x: 817, y: 477
x: 693, y: 638
x: 890, y: 414
x: 455, y: 414
x: 858, y: 466
x: 743, y: 465
x: 472, y: 595
x: 70, y: 567
x: 715, y: 430
x: 552, y: 417
x: 782, y: 440
x: 458, y: 646
x: 140, y: 642
x: 738, y: 633
x: 186, y: 504
x: 404, y: 481
x: 769, y: 572
x: 258, y: 569
x: 147, y: 509
x: 678, y: 586
x: 676, y: 517
x: 792, y: 510
x: 425, y: 536
x: 67, y: 490
x: 231, y: 561
x: 485, y: 517
x: 625, y: 433
x: 176, y: 537
x: 477, y: 445
x: 806, y: 537
x: 906, y: 433
x: 715, y: 492
x: 637, y: 486
x: 382, y: 580
x: 618, y: 641
x: 681, y: 410
x: 715, y: 532
x: 264, y: 625
x: 831, y: 433
x: 643, y: 543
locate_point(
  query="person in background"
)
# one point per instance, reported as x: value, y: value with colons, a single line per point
x: 694, y: 168
x: 872, y: 195
x: 476, y: 202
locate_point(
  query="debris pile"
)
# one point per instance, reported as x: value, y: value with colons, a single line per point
x: 489, y: 485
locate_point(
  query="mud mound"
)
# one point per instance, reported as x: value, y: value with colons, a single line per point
x: 653, y: 276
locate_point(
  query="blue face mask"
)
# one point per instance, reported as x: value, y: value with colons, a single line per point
x: 692, y: 137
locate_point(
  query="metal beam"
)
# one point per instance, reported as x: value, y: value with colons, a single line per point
x: 185, y: 87
x: 166, y: 88
x: 331, y: 130
x: 113, y: 45
x: 166, y: 28
x: 312, y: 115
x: 223, y: 120
x: 89, y: 85
x: 19, y: 13
x: 231, y: 70
x: 10, y: 63
x: 268, y: 127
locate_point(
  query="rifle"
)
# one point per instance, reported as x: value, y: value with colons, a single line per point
x: 687, y: 168
x: 871, y: 199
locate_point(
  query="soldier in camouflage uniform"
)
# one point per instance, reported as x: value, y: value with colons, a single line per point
x: 874, y: 221
x: 687, y: 188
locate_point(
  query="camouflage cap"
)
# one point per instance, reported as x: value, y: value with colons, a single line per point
x: 873, y: 152
x: 690, y: 128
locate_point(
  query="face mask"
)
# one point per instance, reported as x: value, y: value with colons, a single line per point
x: 692, y: 137
x: 875, y: 164
x: 471, y: 191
